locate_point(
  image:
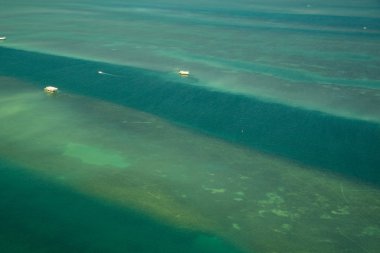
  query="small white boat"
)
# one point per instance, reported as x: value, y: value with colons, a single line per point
x: 3, y: 38
x: 50, y: 89
x: 184, y: 73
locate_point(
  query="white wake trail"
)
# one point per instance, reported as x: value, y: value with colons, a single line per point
x: 106, y: 74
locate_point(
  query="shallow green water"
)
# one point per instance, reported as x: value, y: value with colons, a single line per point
x: 271, y: 144
x: 177, y: 177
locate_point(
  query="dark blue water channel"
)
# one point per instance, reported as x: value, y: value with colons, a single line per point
x: 345, y: 146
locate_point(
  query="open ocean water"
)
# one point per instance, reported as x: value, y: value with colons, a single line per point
x: 270, y: 145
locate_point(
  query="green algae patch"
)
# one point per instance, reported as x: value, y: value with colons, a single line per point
x: 95, y: 155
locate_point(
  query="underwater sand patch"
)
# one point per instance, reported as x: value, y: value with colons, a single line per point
x: 95, y: 155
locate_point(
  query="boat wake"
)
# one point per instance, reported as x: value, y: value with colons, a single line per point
x: 107, y: 74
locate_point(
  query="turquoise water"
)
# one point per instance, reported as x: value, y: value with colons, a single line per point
x: 319, y: 56
x: 270, y: 145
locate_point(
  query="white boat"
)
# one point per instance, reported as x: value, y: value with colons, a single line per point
x: 3, y: 38
x: 184, y: 73
x: 50, y: 89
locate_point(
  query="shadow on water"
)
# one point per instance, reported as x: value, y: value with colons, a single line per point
x: 37, y: 216
x: 341, y: 145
